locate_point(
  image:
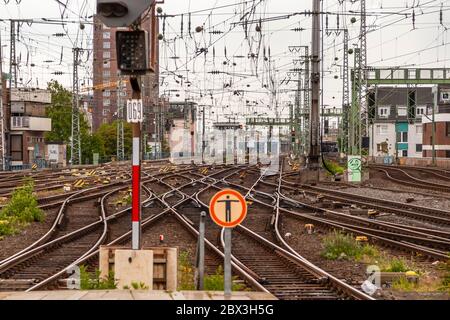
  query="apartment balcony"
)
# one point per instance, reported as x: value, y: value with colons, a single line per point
x: 31, y: 124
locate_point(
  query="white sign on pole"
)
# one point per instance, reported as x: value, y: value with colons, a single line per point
x: 135, y: 111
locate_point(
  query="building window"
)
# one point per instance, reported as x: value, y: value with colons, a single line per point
x: 383, y: 112
x: 107, y: 93
x: 419, y: 147
x: 382, y: 147
x: 447, y: 129
x: 106, y: 35
x: 105, y: 121
x: 107, y: 64
x: 419, y: 130
x: 105, y: 112
x: 16, y: 148
x: 447, y: 153
x: 402, y: 137
x: 382, y: 129
x: 106, y: 54
x: 404, y: 153
x: 106, y: 45
x: 106, y: 73
x: 106, y: 102
x: 402, y: 111
x: 420, y: 111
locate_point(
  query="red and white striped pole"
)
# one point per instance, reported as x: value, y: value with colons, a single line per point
x: 136, y: 175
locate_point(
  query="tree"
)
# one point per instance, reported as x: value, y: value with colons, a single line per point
x: 108, y: 135
x: 60, y: 112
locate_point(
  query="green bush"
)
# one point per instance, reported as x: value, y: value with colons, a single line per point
x: 92, y: 281
x: 338, y: 245
x: 216, y: 281
x: 396, y: 265
x: 21, y: 209
x: 334, y: 167
x: 185, y: 272
x: 446, y: 279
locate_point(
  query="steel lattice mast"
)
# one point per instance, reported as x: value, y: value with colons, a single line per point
x: 345, y: 89
x: 75, y: 147
x: 363, y: 71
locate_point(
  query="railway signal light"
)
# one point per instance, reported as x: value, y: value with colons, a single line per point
x: 132, y: 52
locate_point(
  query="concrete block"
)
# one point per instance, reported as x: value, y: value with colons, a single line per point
x: 133, y: 266
x: 309, y: 176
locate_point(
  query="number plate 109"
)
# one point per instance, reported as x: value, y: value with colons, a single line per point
x: 135, y: 111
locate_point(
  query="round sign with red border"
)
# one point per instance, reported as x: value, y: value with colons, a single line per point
x: 228, y: 208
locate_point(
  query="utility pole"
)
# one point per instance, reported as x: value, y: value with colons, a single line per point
x: 203, y: 135
x: 12, y: 56
x: 2, y: 121
x: 314, y: 151
x: 345, y: 89
x: 75, y: 147
x: 120, y: 130
x: 433, y: 124
x: 363, y: 75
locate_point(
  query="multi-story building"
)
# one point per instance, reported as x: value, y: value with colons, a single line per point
x: 442, y: 123
x: 27, y: 126
x: 396, y: 128
x: 111, y: 90
x: 181, y: 122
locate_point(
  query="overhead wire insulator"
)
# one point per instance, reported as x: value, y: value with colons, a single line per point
x: 190, y: 25
x: 182, y: 25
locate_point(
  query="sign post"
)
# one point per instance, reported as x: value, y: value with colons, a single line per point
x: 201, y: 252
x: 228, y: 209
x: 135, y: 115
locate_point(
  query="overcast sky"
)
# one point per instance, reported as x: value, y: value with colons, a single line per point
x: 392, y: 41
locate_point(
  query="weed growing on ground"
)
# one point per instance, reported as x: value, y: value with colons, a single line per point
x: 21, y: 209
x: 92, y: 281
x: 338, y: 245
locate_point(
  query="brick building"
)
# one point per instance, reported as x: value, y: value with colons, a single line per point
x: 442, y: 120
x: 106, y: 77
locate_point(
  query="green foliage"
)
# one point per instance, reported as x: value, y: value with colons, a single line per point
x: 403, y: 284
x: 446, y: 278
x: 215, y: 282
x: 139, y: 286
x: 395, y: 265
x: 92, y: 281
x: 334, y: 167
x: 338, y: 245
x: 185, y: 272
x: 107, y: 134
x: 21, y: 210
x: 60, y: 112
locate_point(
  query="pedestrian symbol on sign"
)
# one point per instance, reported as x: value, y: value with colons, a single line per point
x: 228, y: 208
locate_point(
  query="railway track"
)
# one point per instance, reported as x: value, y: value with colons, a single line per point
x: 406, y: 238
x: 400, y: 176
